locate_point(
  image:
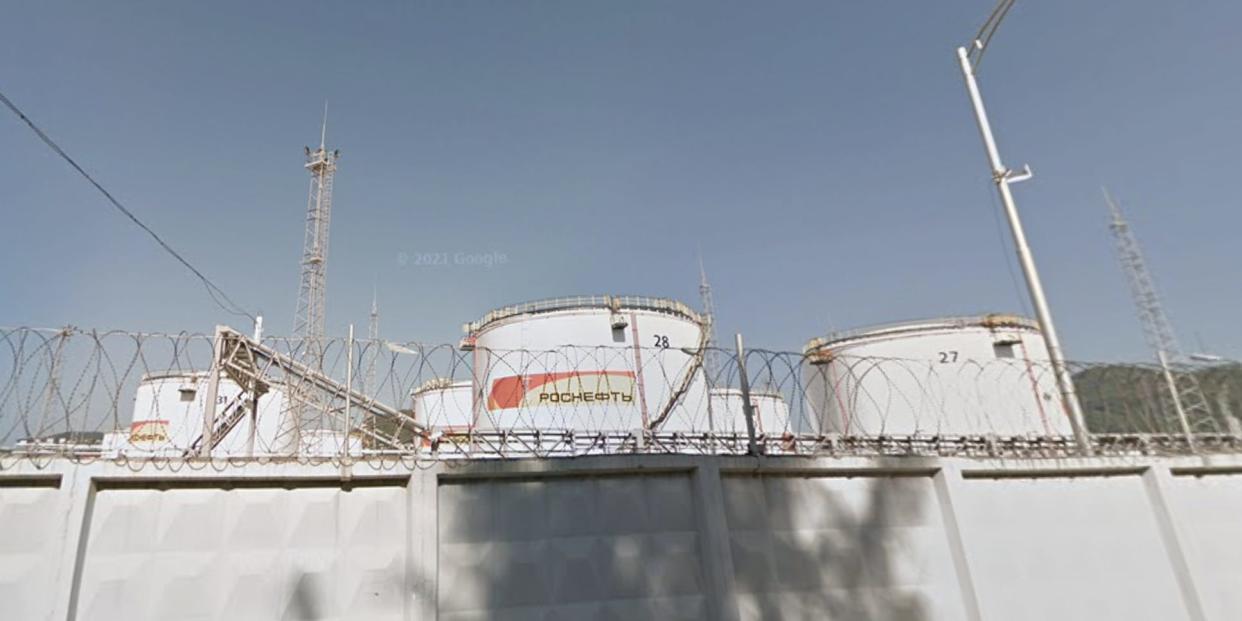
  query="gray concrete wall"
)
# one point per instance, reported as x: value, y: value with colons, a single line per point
x: 668, y: 537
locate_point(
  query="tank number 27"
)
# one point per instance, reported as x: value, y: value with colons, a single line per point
x: 948, y: 356
x: 661, y: 341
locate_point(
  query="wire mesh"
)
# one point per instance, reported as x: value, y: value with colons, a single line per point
x: 128, y: 395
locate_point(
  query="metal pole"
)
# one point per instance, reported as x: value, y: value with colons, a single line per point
x: 349, y: 389
x: 254, y: 397
x: 213, y: 390
x: 1003, y: 177
x: 752, y: 447
x: 1177, y: 399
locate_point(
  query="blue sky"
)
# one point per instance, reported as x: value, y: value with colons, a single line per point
x: 822, y: 155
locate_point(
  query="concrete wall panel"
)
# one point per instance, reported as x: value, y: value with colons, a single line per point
x: 647, y: 536
x: 1083, y: 547
x: 1209, y: 518
x: 839, y: 548
x: 315, y: 553
x: 32, y: 531
x: 616, y: 547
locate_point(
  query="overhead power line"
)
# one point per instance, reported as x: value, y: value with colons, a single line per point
x: 215, y: 292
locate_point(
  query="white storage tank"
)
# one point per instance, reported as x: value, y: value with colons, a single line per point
x: 602, y: 363
x: 956, y: 376
x: 327, y: 443
x: 770, y: 410
x: 445, y: 405
x: 169, y: 409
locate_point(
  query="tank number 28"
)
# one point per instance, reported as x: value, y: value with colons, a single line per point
x: 661, y: 341
x: 948, y: 356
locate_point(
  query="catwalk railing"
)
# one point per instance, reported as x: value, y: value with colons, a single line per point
x: 127, y: 395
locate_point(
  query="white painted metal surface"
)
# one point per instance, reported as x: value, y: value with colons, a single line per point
x: 327, y: 443
x: 591, y: 364
x: 168, y: 416
x: 1004, y: 177
x: 445, y: 405
x: 970, y: 375
x: 771, y: 411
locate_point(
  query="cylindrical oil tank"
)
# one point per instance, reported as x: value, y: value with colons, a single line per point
x: 169, y: 410
x: 327, y: 443
x: 445, y: 405
x: 595, y: 364
x: 770, y: 411
x: 986, y: 375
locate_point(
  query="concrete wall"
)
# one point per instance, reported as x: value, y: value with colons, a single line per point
x: 668, y: 537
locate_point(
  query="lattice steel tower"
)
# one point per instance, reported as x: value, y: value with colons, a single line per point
x: 1184, y: 393
x: 709, y: 315
x: 309, y: 321
x: 372, y: 341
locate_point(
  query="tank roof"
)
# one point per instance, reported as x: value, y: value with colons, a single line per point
x: 182, y: 375
x: 605, y: 302
x: 441, y: 383
x: 992, y: 320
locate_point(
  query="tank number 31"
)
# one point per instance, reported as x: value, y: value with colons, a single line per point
x: 948, y: 356
x: 661, y: 341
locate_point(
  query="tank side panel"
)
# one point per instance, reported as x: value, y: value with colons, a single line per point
x: 168, y: 417
x: 574, y: 371
x: 958, y: 381
x: 449, y: 408
x: 771, y: 412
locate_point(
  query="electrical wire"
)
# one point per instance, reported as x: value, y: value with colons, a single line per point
x: 215, y: 292
x: 984, y: 36
x: 995, y: 207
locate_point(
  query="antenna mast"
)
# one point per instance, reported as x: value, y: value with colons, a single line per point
x: 309, y: 320
x: 709, y: 314
x: 373, y: 337
x: 1003, y: 177
x: 1187, y: 397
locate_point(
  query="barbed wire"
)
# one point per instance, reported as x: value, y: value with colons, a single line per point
x: 93, y: 394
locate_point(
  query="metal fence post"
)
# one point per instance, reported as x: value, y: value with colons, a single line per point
x: 752, y: 447
x: 213, y: 390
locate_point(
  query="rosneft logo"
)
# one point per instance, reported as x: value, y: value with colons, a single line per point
x: 148, y: 432
x: 569, y: 388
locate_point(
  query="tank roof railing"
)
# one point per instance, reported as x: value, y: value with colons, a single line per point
x: 660, y: 305
x: 990, y: 320
x: 439, y: 383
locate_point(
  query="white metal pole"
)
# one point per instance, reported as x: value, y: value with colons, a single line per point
x: 213, y: 390
x: 349, y: 389
x: 1003, y: 177
x: 1177, y: 399
x: 748, y: 411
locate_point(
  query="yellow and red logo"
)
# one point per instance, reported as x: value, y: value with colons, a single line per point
x: 148, y: 431
x: 569, y: 388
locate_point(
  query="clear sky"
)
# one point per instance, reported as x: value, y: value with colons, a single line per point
x: 822, y: 154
